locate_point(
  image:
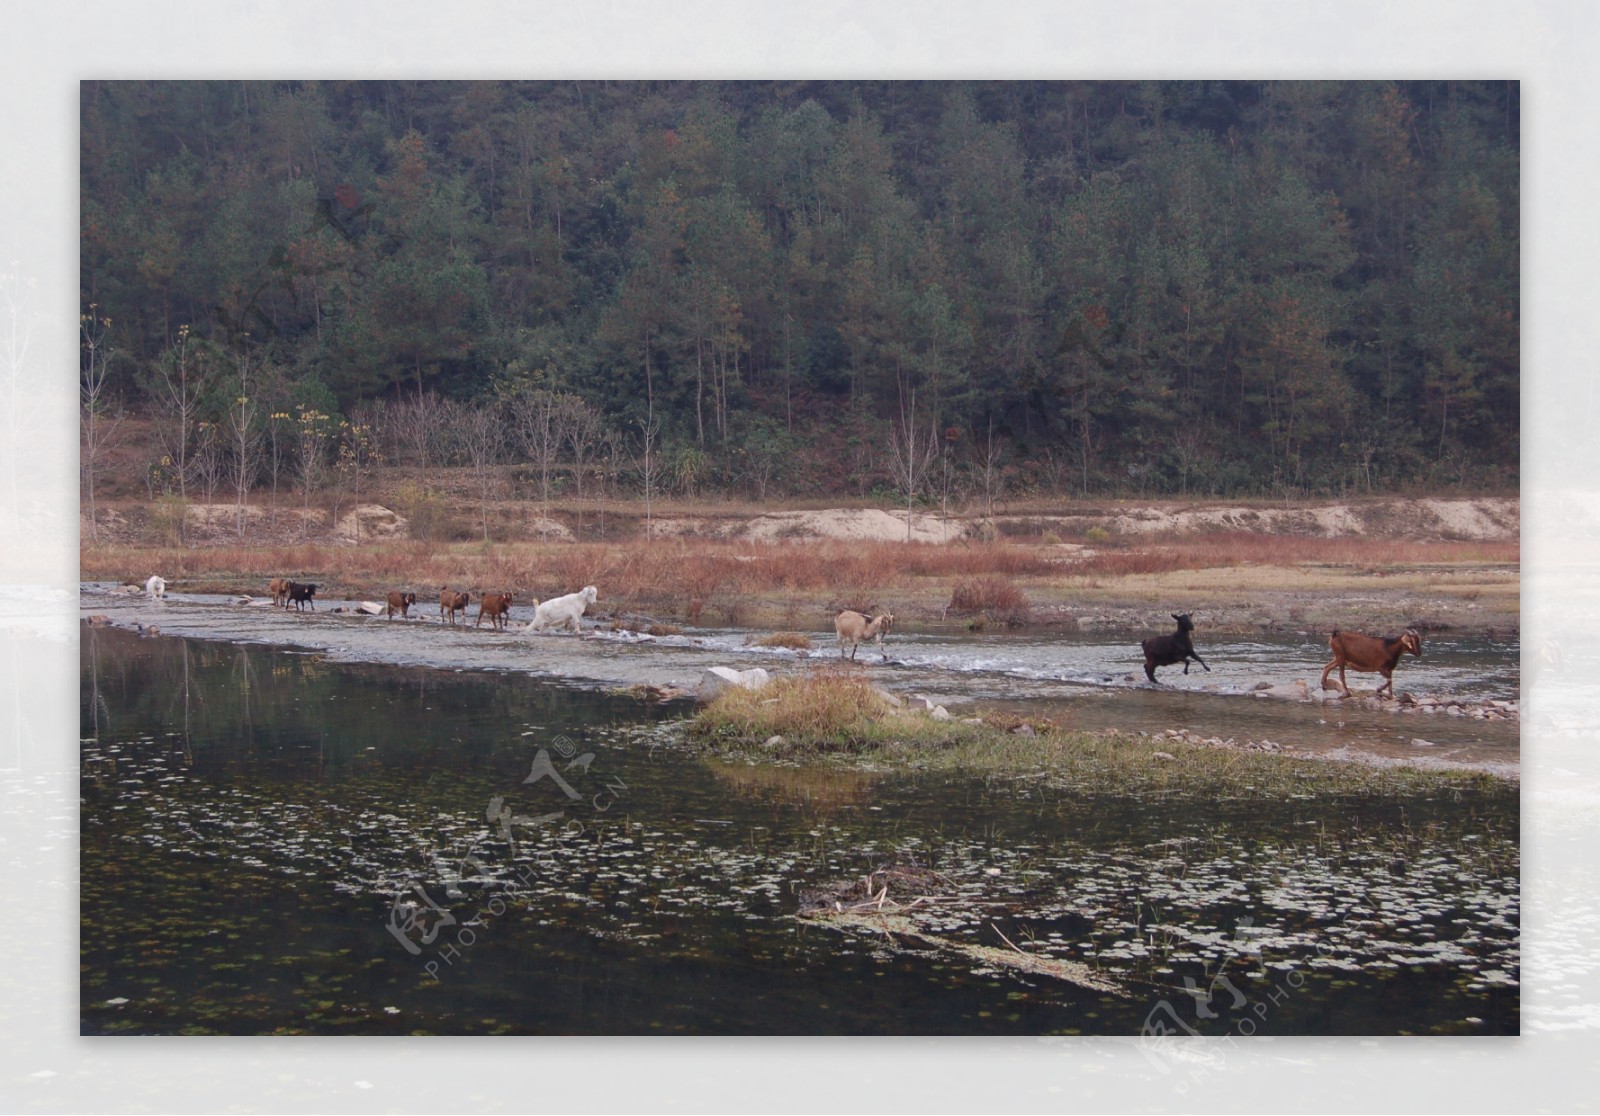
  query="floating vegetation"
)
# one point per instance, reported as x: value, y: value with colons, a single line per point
x: 243, y: 876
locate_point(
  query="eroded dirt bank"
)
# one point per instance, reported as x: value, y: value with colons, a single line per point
x: 1441, y: 565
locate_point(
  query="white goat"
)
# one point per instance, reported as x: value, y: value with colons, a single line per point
x: 563, y: 612
x: 852, y: 628
x: 156, y: 587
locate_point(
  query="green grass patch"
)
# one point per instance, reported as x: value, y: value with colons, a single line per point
x: 837, y: 715
x: 1120, y: 763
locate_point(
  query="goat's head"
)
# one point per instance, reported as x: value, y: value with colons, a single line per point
x: 590, y: 594
x: 886, y: 622
x: 1412, y: 642
x: 1185, y: 623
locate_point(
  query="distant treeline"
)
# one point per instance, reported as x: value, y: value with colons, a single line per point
x: 1215, y: 287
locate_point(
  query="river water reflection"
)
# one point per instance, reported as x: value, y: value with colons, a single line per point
x: 277, y: 841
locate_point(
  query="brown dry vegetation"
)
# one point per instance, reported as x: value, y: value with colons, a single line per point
x: 803, y: 583
x: 825, y: 709
x: 987, y: 594
x: 794, y: 641
x: 1243, y: 580
x: 690, y: 572
x: 1240, y: 548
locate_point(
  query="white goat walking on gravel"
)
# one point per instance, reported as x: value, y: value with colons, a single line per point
x: 563, y: 612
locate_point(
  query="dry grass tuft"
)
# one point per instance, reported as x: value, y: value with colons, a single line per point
x: 823, y: 710
x: 795, y: 641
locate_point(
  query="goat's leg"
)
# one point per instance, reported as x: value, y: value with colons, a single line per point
x: 1327, y: 670
x: 1199, y: 660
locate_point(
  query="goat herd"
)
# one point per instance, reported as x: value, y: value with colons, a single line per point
x: 1351, y: 650
x: 557, y: 612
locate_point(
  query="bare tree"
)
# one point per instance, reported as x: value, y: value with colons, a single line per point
x: 244, y: 437
x: 482, y: 434
x: 178, y: 384
x: 99, y: 426
x: 613, y: 450
x: 355, y: 456
x: 414, y: 430
x: 534, y: 415
x: 649, y: 467
x: 987, y: 464
x: 207, y: 460
x: 278, y: 447
x: 583, y: 430
x: 314, y: 429
x: 913, y: 452
x: 946, y: 478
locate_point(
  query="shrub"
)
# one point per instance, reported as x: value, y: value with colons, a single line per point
x: 429, y: 514
x: 167, y: 517
x: 987, y: 594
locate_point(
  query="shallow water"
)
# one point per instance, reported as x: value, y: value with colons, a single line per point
x: 276, y: 840
x: 1094, y: 681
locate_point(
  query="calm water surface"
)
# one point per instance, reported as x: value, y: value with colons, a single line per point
x: 275, y: 840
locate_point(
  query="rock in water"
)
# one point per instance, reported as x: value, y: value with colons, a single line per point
x: 715, y: 680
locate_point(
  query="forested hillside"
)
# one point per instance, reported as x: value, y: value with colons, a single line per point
x: 1223, y: 288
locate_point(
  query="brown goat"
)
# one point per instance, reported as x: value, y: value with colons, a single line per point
x: 279, y: 587
x: 401, y: 603
x: 1368, y: 654
x: 853, y: 628
x: 452, y: 602
x: 495, y: 606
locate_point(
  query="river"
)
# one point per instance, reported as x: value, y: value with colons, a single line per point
x: 344, y: 825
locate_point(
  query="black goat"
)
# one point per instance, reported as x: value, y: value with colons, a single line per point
x: 301, y: 595
x: 1169, y: 650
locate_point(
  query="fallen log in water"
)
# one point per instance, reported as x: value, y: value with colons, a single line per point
x: 899, y: 926
x: 865, y: 904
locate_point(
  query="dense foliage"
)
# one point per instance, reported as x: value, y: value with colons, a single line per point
x: 1216, y: 287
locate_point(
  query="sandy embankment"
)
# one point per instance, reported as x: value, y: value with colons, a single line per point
x: 1481, y: 518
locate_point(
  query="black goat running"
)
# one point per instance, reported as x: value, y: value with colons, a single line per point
x: 1168, y: 650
